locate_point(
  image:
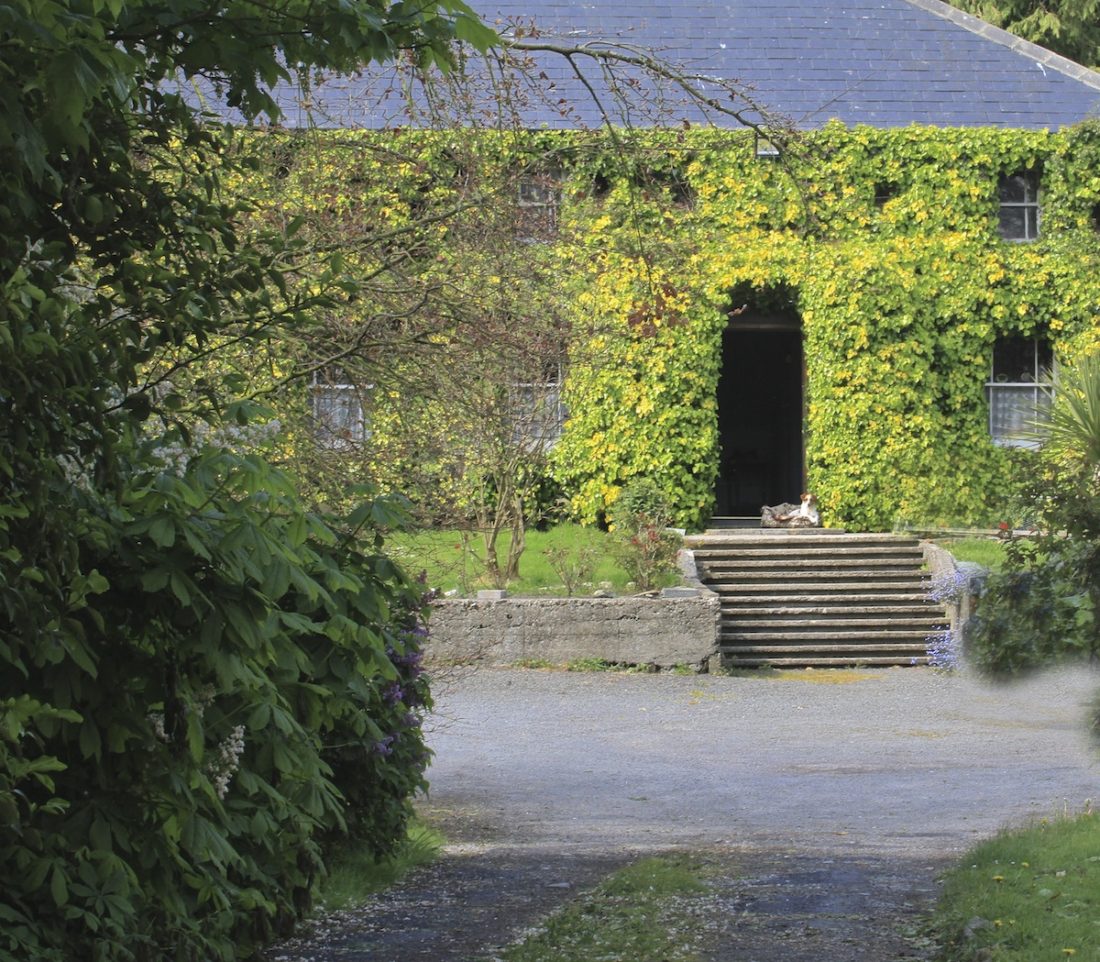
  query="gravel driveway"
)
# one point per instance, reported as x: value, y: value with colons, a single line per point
x: 834, y: 799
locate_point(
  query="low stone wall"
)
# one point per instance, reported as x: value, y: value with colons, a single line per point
x: 662, y: 631
x: 677, y: 627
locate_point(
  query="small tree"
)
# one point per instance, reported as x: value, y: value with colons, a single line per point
x: 455, y: 346
x: 643, y: 543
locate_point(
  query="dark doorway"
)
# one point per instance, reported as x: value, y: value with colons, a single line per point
x: 760, y: 414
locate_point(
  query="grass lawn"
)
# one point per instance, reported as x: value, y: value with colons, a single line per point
x: 1026, y: 896
x: 456, y: 563
x: 984, y: 551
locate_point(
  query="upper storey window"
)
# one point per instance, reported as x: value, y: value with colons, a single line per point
x: 537, y: 199
x: 1019, y: 197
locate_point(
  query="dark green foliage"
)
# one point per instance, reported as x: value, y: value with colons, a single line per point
x: 226, y: 654
x: 188, y: 657
x: 640, y: 500
x: 1068, y: 27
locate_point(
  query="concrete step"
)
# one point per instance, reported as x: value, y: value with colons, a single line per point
x: 870, y: 636
x: 796, y: 585
x: 721, y: 570
x: 724, y: 566
x: 828, y: 650
x: 804, y: 536
x: 840, y: 596
x: 895, y: 583
x: 815, y: 660
x: 909, y: 552
x: 826, y: 620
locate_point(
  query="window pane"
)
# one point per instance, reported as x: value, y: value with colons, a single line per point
x: 338, y: 415
x: 537, y: 414
x: 1012, y: 412
x: 536, y: 222
x: 1013, y: 223
x: 1014, y: 189
x: 1014, y: 359
x: 1044, y: 355
x: 536, y: 193
x: 1032, y: 222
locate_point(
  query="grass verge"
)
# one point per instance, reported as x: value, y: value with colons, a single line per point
x: 983, y: 551
x: 453, y: 562
x: 642, y: 913
x: 1025, y: 896
x: 356, y: 874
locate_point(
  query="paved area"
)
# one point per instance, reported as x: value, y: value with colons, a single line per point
x: 834, y: 799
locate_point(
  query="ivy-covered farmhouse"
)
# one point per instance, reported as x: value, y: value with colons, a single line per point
x: 866, y: 301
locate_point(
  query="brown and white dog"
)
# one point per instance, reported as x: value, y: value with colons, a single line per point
x: 804, y: 515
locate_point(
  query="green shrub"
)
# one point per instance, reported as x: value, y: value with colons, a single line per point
x: 573, y: 564
x: 230, y: 683
x: 640, y: 500
x: 642, y: 542
x: 1044, y: 606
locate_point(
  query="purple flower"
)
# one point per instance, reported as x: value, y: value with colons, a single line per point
x: 943, y: 650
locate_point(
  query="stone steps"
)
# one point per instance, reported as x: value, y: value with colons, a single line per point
x: 810, y: 598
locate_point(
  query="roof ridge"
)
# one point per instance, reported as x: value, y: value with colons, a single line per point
x: 1041, y: 54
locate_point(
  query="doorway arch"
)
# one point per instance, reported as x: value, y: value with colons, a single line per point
x: 761, y: 406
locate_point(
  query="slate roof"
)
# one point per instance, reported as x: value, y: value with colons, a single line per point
x: 885, y: 63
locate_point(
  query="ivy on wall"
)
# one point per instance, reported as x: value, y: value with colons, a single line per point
x: 884, y: 242
x: 887, y: 244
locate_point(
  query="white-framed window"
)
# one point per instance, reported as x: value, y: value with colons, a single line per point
x: 1020, y: 389
x: 538, y: 413
x: 336, y: 407
x: 537, y: 198
x: 1019, y: 211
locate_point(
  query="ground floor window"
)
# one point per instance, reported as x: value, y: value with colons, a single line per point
x: 337, y: 410
x: 538, y: 413
x: 1020, y: 389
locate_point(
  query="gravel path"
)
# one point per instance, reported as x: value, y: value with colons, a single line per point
x: 834, y: 799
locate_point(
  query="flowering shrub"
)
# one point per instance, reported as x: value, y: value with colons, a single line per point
x: 378, y: 774
x: 945, y: 646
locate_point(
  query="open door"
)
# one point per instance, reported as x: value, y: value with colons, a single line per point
x: 760, y: 414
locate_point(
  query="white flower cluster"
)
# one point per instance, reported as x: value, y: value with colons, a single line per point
x: 156, y: 719
x: 222, y: 769
x: 175, y: 455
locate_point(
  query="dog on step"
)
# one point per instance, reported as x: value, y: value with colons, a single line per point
x: 803, y: 515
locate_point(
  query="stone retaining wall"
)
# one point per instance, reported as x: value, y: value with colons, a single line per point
x: 662, y: 631
x: 678, y: 627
